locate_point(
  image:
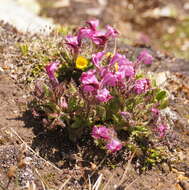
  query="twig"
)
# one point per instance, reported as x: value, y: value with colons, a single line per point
x: 1, y: 186
x: 42, y: 180
x: 65, y: 183
x: 126, y: 169
x: 90, y: 186
x: 96, y: 168
x: 34, y: 151
x: 131, y: 183
x: 108, y: 181
x: 97, y: 183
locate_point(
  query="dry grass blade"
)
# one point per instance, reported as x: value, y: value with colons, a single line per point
x: 47, y: 162
x: 65, y: 183
x: 1, y: 187
x: 126, y: 169
x: 128, y: 186
x: 97, y: 183
x: 42, y: 181
x: 97, y: 168
x: 90, y: 186
x: 106, y: 185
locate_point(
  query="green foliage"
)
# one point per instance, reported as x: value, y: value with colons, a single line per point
x: 62, y: 102
x: 24, y: 49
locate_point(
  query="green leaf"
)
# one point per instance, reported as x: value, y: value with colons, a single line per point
x: 116, y: 119
x: 161, y: 95
x: 77, y: 123
x: 101, y: 112
x: 164, y: 104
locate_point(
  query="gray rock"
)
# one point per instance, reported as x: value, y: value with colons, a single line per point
x: 23, y: 19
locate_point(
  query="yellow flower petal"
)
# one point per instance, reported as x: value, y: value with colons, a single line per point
x: 109, y: 54
x: 116, y: 67
x: 81, y: 62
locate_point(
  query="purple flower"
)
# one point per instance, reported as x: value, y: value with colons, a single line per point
x: 85, y: 33
x: 118, y: 58
x: 101, y: 132
x: 125, y: 70
x: 89, y: 78
x: 50, y: 69
x: 125, y: 115
x: 99, y: 38
x: 155, y: 112
x: 141, y: 86
x: 93, y: 24
x: 145, y: 57
x: 109, y: 79
x: 88, y: 32
x: 63, y: 103
x: 72, y: 42
x: 103, y: 95
x: 96, y: 58
x: 111, y: 32
x: 161, y: 130
x: 114, y: 145
x: 89, y: 89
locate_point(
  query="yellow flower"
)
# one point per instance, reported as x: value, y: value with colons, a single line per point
x: 116, y: 67
x: 81, y: 62
x: 109, y: 54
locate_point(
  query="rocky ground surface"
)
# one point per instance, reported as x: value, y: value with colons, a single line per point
x: 32, y: 158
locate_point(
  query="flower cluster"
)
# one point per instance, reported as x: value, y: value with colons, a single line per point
x: 91, y: 32
x: 116, y: 73
x: 104, y: 89
x: 108, y: 136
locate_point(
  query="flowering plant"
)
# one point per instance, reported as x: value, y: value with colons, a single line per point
x: 106, y: 93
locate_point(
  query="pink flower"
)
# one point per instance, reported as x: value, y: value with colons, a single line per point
x: 155, y: 112
x: 88, y: 32
x: 125, y: 70
x: 72, y: 42
x: 63, y: 103
x: 101, y: 132
x: 85, y: 33
x: 99, y: 38
x: 161, y: 130
x: 89, y: 78
x: 125, y: 115
x: 111, y: 32
x: 120, y: 59
x: 96, y: 58
x: 50, y: 69
x: 93, y: 24
x: 145, y: 57
x: 103, y: 95
x: 88, y: 89
x: 109, y: 80
x: 141, y: 86
x: 114, y: 145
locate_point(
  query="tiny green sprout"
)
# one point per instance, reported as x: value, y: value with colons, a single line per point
x: 63, y: 30
x: 24, y: 49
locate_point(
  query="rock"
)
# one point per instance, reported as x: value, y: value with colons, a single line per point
x: 23, y: 19
x: 31, y: 5
x: 1, y: 70
x: 61, y: 3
